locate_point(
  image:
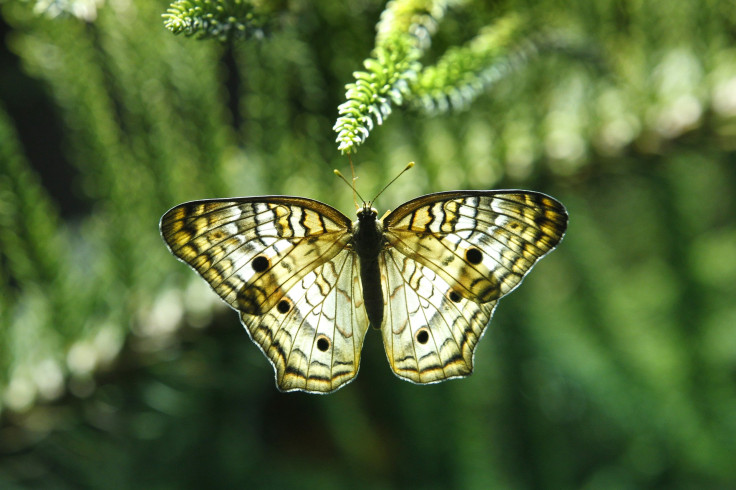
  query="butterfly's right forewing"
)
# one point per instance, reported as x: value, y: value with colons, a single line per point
x: 482, y: 243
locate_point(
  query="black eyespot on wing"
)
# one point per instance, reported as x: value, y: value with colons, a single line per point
x: 284, y: 306
x: 454, y: 297
x: 474, y: 256
x: 260, y: 263
x: 422, y: 336
x: 323, y: 343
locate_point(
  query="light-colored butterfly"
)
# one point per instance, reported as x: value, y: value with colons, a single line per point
x: 308, y: 282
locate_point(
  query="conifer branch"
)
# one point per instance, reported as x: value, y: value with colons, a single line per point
x: 403, y: 34
x: 222, y: 20
x: 463, y: 73
x: 394, y: 74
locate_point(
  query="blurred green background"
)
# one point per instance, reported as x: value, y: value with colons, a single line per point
x: 613, y: 366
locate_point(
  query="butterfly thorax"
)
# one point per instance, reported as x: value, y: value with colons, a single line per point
x: 368, y: 242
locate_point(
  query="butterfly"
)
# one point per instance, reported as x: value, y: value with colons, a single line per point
x: 307, y: 281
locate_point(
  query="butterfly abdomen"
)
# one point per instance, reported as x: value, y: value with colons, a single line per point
x: 367, y: 242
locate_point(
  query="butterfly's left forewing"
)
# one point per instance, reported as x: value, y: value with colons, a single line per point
x: 284, y: 264
x: 449, y: 258
x: 252, y: 250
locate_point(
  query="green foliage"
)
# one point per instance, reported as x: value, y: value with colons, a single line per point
x: 29, y: 222
x: 611, y: 366
x: 222, y: 20
x: 371, y: 96
x: 464, y: 72
x: 394, y: 73
x: 81, y: 9
x: 403, y: 34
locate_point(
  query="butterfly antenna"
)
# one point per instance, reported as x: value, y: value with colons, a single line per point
x: 352, y: 172
x: 352, y: 186
x: 410, y: 165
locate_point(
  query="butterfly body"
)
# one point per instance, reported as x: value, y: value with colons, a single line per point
x: 307, y: 282
x: 368, y: 241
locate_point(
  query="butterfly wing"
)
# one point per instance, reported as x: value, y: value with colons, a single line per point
x: 450, y: 257
x: 428, y: 333
x: 315, y: 334
x: 284, y: 264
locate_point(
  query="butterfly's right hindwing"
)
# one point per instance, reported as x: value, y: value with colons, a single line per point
x: 429, y: 333
x: 284, y: 264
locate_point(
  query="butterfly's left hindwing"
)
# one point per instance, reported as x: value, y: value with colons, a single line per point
x: 284, y: 264
x: 315, y: 336
x: 448, y: 258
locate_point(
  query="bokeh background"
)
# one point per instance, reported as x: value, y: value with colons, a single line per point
x: 613, y: 366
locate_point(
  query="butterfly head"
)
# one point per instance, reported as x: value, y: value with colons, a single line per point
x: 367, y: 212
